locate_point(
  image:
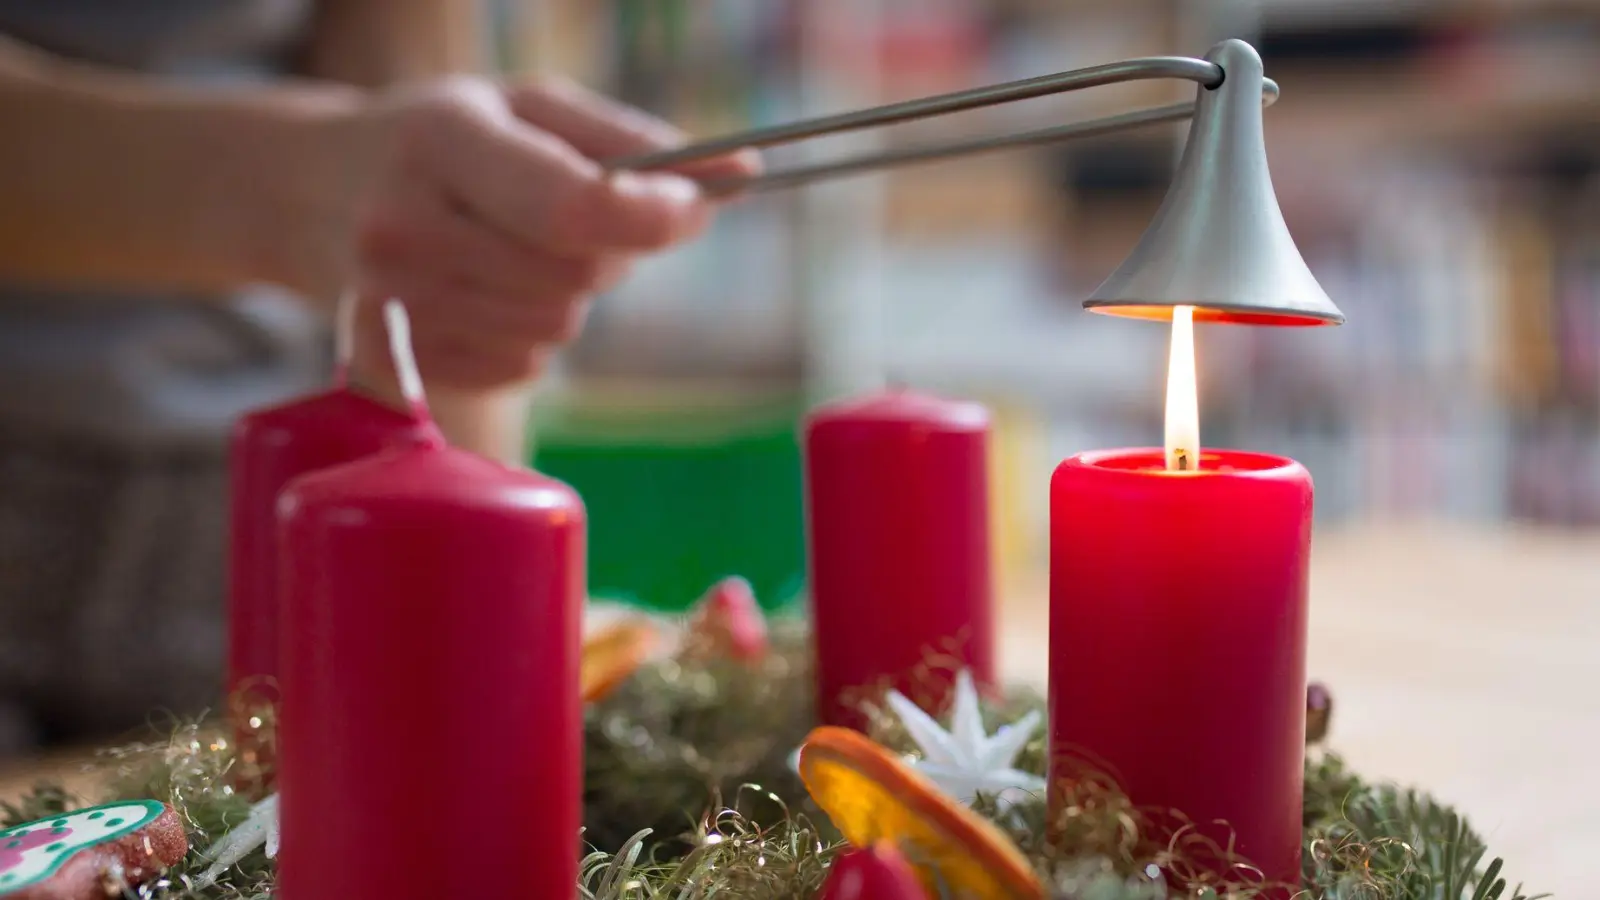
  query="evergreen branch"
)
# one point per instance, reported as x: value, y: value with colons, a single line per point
x: 665, y: 749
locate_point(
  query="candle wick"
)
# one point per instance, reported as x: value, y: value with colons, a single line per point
x: 405, y: 358
x: 1182, y: 461
x: 344, y: 336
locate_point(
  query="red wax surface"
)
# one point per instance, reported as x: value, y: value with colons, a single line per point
x: 898, y: 522
x: 879, y: 872
x: 1178, y: 638
x: 270, y: 448
x: 430, y: 740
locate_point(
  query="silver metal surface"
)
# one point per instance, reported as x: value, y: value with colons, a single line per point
x: 786, y: 178
x: 1205, y: 73
x: 1219, y: 242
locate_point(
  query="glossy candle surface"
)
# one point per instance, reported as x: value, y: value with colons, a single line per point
x: 1178, y: 638
x: 433, y: 609
x: 898, y: 524
x: 269, y: 449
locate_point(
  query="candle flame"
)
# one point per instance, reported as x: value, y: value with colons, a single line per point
x: 1183, y: 396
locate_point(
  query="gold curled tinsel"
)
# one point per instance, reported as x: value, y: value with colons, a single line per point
x: 689, y: 796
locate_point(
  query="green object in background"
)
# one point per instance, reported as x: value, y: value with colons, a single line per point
x: 682, y: 493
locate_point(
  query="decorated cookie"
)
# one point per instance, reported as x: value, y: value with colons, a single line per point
x: 89, y: 853
x: 613, y: 654
x: 872, y: 796
x: 728, y: 621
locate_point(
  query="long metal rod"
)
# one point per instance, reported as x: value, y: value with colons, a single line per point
x: 786, y: 178
x: 1204, y: 73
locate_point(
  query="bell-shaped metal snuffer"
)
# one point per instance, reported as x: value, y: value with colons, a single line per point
x: 1219, y: 242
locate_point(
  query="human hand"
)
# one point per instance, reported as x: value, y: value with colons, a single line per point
x: 487, y: 211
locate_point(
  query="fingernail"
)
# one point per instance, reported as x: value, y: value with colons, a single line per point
x: 674, y: 189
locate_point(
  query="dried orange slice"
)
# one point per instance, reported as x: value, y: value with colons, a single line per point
x: 872, y: 796
x: 613, y: 654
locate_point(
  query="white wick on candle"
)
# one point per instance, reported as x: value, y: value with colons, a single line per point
x: 405, y: 359
x: 344, y: 330
x: 1183, y: 396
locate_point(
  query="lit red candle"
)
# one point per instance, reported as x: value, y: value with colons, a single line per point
x: 1178, y: 630
x: 269, y: 449
x: 898, y: 527
x: 433, y: 606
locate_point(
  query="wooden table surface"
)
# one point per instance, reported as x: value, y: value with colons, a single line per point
x: 1462, y: 660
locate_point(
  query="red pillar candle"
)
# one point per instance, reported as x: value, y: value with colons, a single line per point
x: 898, y: 522
x: 433, y: 606
x: 270, y: 448
x: 1178, y: 639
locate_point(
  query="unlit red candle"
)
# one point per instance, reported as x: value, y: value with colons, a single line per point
x: 433, y: 610
x: 269, y: 449
x: 1178, y: 641
x: 899, y: 548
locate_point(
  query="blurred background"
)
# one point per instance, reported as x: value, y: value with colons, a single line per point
x: 1435, y: 160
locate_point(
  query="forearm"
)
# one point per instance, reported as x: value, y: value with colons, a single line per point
x: 378, y: 43
x: 131, y: 182
x: 126, y: 180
